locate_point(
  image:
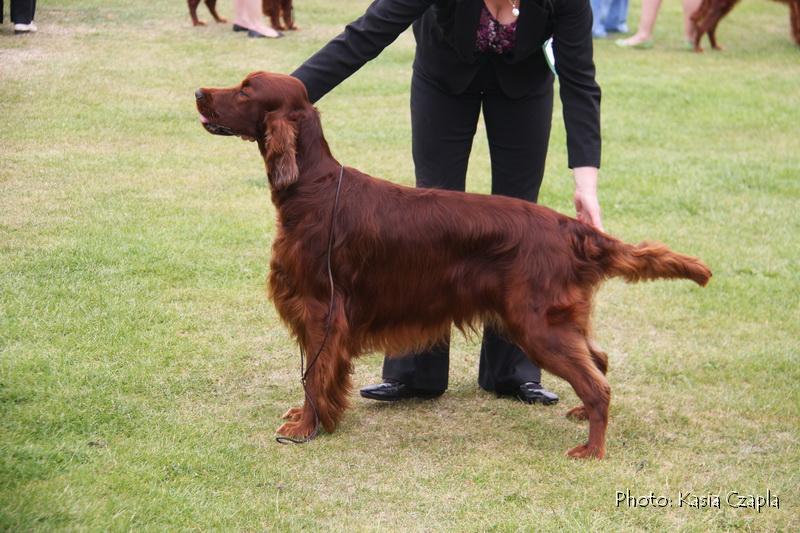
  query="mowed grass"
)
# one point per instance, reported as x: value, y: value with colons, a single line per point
x: 143, y: 370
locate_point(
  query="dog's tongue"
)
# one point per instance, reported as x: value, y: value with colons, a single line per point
x: 203, y: 120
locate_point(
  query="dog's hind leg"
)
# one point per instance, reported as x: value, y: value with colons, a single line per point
x: 698, y: 18
x: 212, y: 7
x: 794, y: 20
x: 600, y: 359
x: 717, y: 14
x: 562, y: 350
x: 328, y: 368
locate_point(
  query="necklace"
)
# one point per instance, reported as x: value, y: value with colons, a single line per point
x: 514, y: 8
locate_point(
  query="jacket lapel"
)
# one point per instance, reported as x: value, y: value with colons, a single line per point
x: 467, y: 15
x: 532, y: 26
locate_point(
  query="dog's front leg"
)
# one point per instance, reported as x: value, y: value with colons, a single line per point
x: 327, y: 384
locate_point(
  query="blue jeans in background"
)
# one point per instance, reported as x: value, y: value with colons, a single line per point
x: 609, y: 16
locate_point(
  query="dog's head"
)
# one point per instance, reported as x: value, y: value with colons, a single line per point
x: 264, y: 108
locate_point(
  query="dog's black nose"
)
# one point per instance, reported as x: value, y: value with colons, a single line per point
x: 199, y: 94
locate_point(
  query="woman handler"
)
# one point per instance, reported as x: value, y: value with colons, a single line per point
x: 475, y: 55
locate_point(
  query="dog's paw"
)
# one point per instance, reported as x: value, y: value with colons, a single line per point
x: 222, y: 20
x: 297, y: 430
x: 585, y: 451
x: 578, y: 413
x: 199, y: 23
x: 294, y: 414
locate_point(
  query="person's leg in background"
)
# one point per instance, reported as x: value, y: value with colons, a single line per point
x: 689, y: 9
x: 248, y: 16
x: 598, y: 18
x: 22, y: 13
x: 643, y: 38
x: 518, y: 131
x: 442, y: 129
x: 616, y: 20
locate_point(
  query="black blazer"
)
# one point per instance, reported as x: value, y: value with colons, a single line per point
x: 445, y: 31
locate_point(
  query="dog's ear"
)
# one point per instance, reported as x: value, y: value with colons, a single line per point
x: 280, y: 155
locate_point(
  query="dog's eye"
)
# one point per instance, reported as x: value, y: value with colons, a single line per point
x: 242, y: 93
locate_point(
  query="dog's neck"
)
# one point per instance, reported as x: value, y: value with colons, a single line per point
x: 313, y: 153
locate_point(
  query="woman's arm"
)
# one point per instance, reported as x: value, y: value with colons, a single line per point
x: 361, y: 41
x: 580, y: 94
x: 580, y: 99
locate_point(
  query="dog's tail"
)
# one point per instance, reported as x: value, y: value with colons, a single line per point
x: 644, y: 261
x: 653, y: 260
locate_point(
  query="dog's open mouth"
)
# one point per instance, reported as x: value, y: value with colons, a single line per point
x: 216, y: 129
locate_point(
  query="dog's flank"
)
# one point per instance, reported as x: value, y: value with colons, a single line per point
x: 409, y: 263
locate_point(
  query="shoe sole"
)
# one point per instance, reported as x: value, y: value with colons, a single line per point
x: 543, y: 401
x: 415, y: 396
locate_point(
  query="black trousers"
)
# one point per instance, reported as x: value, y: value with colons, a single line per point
x: 443, y: 126
x: 22, y: 11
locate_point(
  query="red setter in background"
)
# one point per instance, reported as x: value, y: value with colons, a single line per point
x: 278, y: 10
x: 525, y: 268
x: 710, y: 12
x: 212, y: 7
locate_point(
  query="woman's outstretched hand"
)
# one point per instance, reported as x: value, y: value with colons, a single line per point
x: 586, y: 205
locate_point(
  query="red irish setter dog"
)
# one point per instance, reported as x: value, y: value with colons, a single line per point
x: 407, y: 263
x: 212, y: 8
x: 278, y: 10
x: 710, y: 12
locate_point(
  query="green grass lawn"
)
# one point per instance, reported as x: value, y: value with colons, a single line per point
x: 143, y: 370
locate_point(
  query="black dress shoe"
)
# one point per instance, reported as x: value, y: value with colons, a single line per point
x: 236, y: 27
x: 392, y: 391
x: 532, y: 392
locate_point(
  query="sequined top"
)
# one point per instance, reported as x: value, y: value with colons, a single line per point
x: 493, y: 36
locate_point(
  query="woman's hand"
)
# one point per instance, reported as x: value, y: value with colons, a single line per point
x: 586, y: 205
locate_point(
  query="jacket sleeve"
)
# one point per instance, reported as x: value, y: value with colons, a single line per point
x: 580, y: 94
x: 361, y: 41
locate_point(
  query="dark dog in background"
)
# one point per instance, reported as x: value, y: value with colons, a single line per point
x: 277, y: 11
x: 212, y: 7
x: 382, y: 267
x: 710, y: 12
